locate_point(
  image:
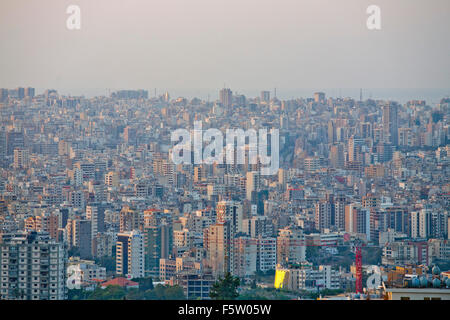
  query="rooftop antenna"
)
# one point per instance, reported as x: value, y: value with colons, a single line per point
x: 360, y: 95
x: 275, y: 92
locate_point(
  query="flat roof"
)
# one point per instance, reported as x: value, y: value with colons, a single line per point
x: 419, y: 290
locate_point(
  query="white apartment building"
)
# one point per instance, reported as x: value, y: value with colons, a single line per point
x: 33, y: 267
x: 89, y: 270
x: 130, y: 254
x: 267, y: 254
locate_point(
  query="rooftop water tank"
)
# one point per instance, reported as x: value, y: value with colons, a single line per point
x: 436, y: 271
x: 436, y: 283
x: 423, y: 282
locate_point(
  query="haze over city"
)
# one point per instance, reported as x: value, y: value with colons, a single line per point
x: 191, y: 48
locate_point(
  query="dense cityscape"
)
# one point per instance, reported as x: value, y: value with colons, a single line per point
x: 93, y: 207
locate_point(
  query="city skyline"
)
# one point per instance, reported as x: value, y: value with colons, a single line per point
x: 432, y: 96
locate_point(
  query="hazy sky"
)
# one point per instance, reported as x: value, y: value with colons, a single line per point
x: 247, y: 44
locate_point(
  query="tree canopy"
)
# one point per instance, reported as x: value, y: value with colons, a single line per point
x: 225, y: 289
x: 160, y: 292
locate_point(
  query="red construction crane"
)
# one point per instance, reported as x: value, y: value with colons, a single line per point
x: 358, y: 266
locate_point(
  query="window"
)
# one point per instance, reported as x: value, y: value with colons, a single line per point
x: 404, y: 298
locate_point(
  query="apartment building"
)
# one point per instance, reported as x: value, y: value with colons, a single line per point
x: 33, y: 267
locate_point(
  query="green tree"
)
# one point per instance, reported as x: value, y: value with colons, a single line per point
x: 225, y: 289
x: 174, y: 293
x: 109, y: 293
x: 144, y: 283
x: 77, y: 294
x: 150, y: 295
x: 161, y: 292
x: 134, y: 294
